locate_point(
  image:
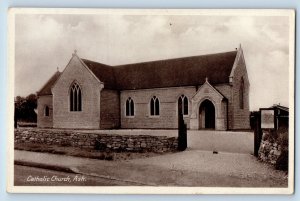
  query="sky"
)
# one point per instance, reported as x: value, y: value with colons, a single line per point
x: 44, y: 43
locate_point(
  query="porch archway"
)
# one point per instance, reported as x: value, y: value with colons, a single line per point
x: 207, y: 115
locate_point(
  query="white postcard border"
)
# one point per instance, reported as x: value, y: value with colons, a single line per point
x: 134, y: 189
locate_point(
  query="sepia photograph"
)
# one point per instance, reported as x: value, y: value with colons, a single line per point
x: 151, y: 101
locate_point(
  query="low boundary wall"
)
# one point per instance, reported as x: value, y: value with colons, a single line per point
x: 97, y: 141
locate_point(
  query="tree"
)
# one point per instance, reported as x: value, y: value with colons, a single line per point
x: 24, y: 108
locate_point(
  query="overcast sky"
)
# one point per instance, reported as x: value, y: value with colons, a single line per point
x: 45, y: 42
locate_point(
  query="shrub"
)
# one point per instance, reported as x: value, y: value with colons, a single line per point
x: 109, y: 157
x: 100, y: 146
x: 270, y: 135
x: 282, y: 162
x: 283, y: 139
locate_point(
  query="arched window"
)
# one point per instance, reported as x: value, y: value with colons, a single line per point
x: 154, y: 106
x: 46, y: 111
x: 75, y: 98
x: 183, y: 105
x: 129, y: 107
x: 241, y: 93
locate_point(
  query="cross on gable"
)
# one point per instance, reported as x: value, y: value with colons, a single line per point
x: 75, y: 52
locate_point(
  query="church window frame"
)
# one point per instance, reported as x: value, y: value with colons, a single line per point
x: 183, y: 102
x: 129, y: 107
x: 242, y: 94
x: 154, y: 107
x: 75, y: 98
x: 46, y: 111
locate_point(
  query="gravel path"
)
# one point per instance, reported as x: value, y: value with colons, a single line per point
x: 188, y: 168
x: 227, y: 164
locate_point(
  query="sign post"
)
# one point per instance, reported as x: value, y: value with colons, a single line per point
x: 267, y: 118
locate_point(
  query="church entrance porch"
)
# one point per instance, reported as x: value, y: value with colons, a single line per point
x: 209, y: 109
x: 207, y: 115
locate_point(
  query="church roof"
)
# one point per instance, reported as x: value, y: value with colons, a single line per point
x: 280, y: 107
x: 46, y: 89
x: 103, y: 72
x: 187, y: 71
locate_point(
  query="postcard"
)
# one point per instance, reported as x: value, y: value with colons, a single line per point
x: 151, y: 101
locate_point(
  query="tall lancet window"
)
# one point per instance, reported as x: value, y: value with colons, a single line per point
x: 154, y: 106
x: 46, y: 111
x: 242, y: 91
x: 129, y: 107
x: 183, y: 105
x: 75, y: 98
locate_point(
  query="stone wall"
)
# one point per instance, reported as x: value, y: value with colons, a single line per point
x: 168, y: 97
x: 268, y: 151
x: 90, y: 87
x: 100, y: 141
x: 241, y: 116
x: 109, y: 109
x: 42, y: 120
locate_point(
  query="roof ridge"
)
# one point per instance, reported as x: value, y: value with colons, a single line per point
x: 176, y: 58
x: 169, y: 59
x: 87, y: 60
x: 182, y: 71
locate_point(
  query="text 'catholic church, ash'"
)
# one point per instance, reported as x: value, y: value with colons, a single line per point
x: 211, y: 91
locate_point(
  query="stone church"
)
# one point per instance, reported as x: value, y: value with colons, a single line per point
x: 211, y: 91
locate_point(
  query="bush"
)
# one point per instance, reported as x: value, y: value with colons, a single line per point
x: 100, y: 146
x: 282, y: 162
x: 271, y: 136
x: 283, y: 139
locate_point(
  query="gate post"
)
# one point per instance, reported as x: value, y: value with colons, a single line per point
x: 182, y: 133
x: 257, y: 133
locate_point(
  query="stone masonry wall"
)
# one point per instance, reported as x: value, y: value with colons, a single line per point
x: 93, y: 140
x: 268, y: 151
x: 226, y: 91
x: 42, y: 120
x: 241, y: 117
x: 89, y: 117
x: 168, y: 97
x: 109, y: 109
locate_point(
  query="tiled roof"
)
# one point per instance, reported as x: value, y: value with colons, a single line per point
x: 46, y: 90
x: 280, y: 107
x: 103, y: 72
x: 187, y: 71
